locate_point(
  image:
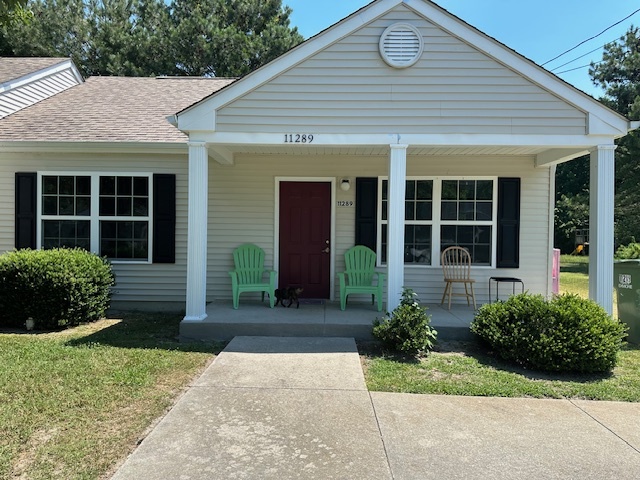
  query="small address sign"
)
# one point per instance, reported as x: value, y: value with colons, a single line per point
x: 345, y: 203
x: 298, y: 138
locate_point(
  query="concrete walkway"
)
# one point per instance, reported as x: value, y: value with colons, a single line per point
x: 298, y: 408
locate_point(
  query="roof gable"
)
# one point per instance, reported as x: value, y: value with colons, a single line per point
x: 27, y: 81
x: 599, y: 119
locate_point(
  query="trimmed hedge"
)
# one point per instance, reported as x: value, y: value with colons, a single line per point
x: 565, y: 334
x: 57, y: 288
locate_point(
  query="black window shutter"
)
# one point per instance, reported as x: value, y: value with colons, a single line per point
x: 164, y: 218
x: 366, y: 212
x: 508, y: 245
x: 26, y: 210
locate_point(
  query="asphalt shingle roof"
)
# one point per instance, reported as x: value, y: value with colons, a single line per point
x: 111, y: 109
x: 12, y: 68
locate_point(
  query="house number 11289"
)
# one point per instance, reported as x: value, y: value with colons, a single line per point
x: 298, y: 138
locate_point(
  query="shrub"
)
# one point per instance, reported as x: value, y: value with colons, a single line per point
x: 57, y: 288
x: 566, y: 334
x: 628, y: 252
x: 407, y: 329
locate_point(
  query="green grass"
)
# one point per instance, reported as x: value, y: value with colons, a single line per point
x: 467, y: 368
x: 74, y: 403
x: 574, y: 275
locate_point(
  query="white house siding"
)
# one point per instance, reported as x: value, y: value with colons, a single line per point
x: 137, y: 284
x: 347, y: 88
x: 242, y: 201
x: 25, y: 95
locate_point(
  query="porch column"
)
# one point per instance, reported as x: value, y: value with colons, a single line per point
x: 601, y: 199
x: 197, y: 232
x: 395, y: 229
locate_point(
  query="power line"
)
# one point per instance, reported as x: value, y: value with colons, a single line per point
x: 577, y: 68
x: 581, y: 56
x: 591, y: 38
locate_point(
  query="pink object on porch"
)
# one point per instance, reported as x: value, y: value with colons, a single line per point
x: 555, y: 272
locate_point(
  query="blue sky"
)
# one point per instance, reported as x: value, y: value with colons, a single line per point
x: 537, y: 29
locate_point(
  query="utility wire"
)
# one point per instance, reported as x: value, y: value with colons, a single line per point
x: 591, y: 38
x: 581, y: 56
x: 577, y: 68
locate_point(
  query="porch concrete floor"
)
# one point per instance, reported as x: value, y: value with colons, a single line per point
x: 312, y: 319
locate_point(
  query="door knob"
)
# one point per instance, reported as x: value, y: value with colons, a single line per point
x: 326, y: 250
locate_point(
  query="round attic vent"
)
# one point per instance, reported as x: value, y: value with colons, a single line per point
x: 401, y: 45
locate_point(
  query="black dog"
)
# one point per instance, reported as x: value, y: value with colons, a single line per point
x: 290, y: 294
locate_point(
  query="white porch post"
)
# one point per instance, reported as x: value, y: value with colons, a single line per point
x: 601, y: 199
x: 395, y: 228
x: 197, y: 232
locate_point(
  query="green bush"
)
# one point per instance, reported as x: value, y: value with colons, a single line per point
x: 57, y: 288
x: 407, y: 329
x: 565, y: 334
x: 627, y: 252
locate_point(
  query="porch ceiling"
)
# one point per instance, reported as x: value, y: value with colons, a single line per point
x: 383, y: 150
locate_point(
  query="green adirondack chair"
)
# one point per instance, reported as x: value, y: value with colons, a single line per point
x: 249, y: 274
x: 360, y: 264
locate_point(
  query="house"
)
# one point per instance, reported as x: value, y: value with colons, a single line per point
x: 401, y: 127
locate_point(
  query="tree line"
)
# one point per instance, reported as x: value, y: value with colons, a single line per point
x: 619, y: 75
x: 222, y: 38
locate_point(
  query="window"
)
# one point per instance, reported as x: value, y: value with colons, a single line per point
x: 467, y: 217
x: 418, y: 216
x: 440, y: 213
x: 107, y: 214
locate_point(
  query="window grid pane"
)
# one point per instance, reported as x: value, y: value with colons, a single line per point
x: 475, y: 238
x: 66, y: 233
x: 124, y: 240
x: 124, y: 196
x: 66, y: 195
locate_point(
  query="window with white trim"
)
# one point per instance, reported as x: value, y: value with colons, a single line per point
x: 418, y: 221
x: 105, y: 213
x: 441, y: 212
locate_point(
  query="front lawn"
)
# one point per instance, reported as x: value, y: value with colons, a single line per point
x: 74, y: 403
x: 467, y: 368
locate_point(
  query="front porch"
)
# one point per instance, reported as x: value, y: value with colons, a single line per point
x: 312, y: 319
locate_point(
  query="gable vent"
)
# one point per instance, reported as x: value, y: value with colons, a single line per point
x: 401, y: 45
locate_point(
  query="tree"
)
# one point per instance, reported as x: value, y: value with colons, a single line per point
x: 229, y: 38
x: 619, y: 74
x: 151, y: 37
x: 14, y: 11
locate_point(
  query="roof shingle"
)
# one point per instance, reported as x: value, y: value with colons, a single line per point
x: 111, y: 109
x: 12, y: 68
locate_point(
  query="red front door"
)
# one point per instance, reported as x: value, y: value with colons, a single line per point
x: 305, y: 234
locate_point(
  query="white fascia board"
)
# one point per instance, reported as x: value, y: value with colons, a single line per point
x: 558, y: 155
x: 192, y: 115
x: 94, y: 147
x: 40, y: 74
x: 518, y: 63
x: 577, y: 142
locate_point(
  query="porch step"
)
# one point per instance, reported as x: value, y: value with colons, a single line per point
x: 254, y: 318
